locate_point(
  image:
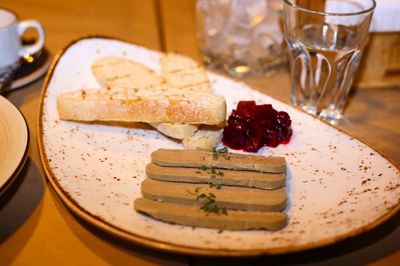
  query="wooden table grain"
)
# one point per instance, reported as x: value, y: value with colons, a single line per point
x: 37, y: 229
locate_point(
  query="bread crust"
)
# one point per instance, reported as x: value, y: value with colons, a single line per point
x: 151, y: 106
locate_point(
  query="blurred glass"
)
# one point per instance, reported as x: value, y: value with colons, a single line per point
x: 240, y: 36
x: 325, y: 43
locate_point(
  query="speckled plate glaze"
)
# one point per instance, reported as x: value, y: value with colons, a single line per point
x: 337, y: 186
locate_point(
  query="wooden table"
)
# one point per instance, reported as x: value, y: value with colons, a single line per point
x: 37, y: 229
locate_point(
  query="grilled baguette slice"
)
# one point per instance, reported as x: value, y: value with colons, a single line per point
x: 137, y: 105
x: 182, y: 72
x: 115, y: 71
x: 118, y: 72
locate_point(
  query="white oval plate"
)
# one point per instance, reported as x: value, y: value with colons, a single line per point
x: 337, y: 186
x: 14, y: 139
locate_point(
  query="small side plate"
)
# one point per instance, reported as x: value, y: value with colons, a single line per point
x: 14, y: 140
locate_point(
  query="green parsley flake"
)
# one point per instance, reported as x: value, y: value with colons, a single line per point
x: 203, y: 167
x: 213, y: 175
x: 209, y: 204
x: 220, y: 152
x: 216, y: 185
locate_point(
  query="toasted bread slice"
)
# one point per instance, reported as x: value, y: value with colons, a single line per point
x: 119, y: 72
x: 136, y: 105
x: 182, y: 72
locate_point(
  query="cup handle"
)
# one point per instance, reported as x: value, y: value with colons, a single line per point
x: 38, y: 45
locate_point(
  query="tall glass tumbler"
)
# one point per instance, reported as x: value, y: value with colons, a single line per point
x: 241, y: 36
x: 325, y: 40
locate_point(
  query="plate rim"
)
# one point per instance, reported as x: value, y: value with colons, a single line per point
x: 24, y: 157
x: 170, y: 247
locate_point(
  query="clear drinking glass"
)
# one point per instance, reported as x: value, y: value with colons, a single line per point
x: 325, y: 42
x: 240, y: 36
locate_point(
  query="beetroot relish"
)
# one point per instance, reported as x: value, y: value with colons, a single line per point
x: 252, y: 126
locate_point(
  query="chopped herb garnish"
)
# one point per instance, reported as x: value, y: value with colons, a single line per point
x: 216, y: 185
x: 220, y: 152
x: 197, y: 189
x: 203, y: 167
x: 212, y: 171
x: 209, y: 204
x: 201, y: 196
x: 213, y: 175
x: 215, y: 153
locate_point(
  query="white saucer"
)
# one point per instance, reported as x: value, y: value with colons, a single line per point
x: 14, y: 140
x: 32, y: 71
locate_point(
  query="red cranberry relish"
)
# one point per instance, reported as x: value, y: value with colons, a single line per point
x: 252, y: 126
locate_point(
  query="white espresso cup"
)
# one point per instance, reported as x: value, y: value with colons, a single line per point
x: 11, y: 30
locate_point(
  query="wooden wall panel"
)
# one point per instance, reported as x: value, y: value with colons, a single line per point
x: 179, y: 27
x: 132, y: 20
